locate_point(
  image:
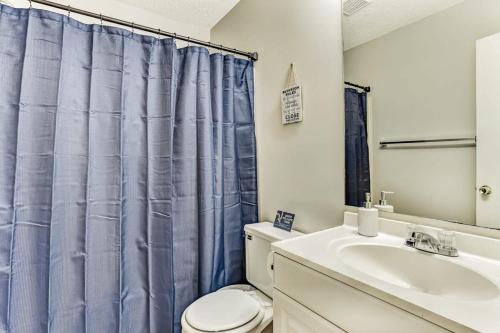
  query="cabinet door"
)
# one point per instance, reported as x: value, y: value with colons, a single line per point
x: 291, y: 317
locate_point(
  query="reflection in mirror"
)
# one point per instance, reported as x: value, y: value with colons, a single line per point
x: 421, y: 86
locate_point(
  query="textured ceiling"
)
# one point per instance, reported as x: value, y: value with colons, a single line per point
x: 199, y: 12
x: 383, y: 16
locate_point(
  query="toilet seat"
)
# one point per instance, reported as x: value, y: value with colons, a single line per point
x: 233, y: 309
x: 237, y: 309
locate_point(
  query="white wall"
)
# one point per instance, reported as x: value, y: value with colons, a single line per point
x: 423, y: 85
x: 300, y: 166
x: 125, y: 12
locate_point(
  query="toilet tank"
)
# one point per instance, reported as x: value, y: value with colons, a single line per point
x: 258, y: 239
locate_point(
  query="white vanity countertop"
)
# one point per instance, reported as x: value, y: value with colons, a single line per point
x: 318, y: 251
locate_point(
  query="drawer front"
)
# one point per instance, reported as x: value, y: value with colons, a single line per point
x: 292, y: 317
x: 348, y: 308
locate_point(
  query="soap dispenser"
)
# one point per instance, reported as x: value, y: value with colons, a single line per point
x: 383, y: 205
x: 368, y: 218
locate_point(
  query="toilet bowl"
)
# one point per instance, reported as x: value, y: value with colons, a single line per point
x: 241, y: 308
x: 233, y: 309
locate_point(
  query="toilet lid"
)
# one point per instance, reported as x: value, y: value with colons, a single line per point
x: 222, y: 310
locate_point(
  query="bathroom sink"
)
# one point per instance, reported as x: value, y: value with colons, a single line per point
x: 418, y: 271
x: 460, y: 294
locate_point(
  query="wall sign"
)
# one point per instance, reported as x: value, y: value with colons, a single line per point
x: 291, y: 100
x: 284, y: 220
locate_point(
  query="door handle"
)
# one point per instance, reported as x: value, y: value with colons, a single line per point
x: 485, y: 190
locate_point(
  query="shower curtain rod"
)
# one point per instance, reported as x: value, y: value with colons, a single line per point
x: 366, y: 89
x: 252, y: 55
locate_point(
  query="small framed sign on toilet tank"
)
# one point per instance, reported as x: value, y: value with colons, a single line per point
x: 284, y: 220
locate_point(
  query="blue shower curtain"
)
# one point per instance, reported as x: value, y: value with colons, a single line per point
x: 357, y: 160
x: 127, y: 173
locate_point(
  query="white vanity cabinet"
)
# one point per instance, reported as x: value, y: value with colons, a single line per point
x: 308, y: 301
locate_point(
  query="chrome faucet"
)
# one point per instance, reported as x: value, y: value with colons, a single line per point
x: 426, y: 242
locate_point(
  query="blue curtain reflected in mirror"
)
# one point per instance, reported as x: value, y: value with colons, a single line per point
x: 357, y: 160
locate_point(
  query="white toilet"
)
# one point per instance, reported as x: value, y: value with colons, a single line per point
x: 241, y: 308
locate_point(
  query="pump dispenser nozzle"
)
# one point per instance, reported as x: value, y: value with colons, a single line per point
x: 383, y: 205
x: 368, y: 200
x: 383, y: 197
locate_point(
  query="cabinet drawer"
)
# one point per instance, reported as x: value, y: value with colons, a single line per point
x: 292, y: 317
x: 346, y: 307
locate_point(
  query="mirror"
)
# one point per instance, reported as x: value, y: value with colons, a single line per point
x: 422, y: 114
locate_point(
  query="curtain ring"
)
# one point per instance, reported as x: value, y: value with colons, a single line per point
x: 133, y: 25
x: 159, y: 33
x: 100, y: 18
x: 175, y: 37
x: 69, y: 10
x: 30, y: 4
x: 189, y: 41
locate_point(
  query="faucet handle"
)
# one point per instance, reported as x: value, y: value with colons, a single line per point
x: 447, y: 239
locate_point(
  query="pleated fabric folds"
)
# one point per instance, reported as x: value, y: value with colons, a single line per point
x: 127, y: 173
